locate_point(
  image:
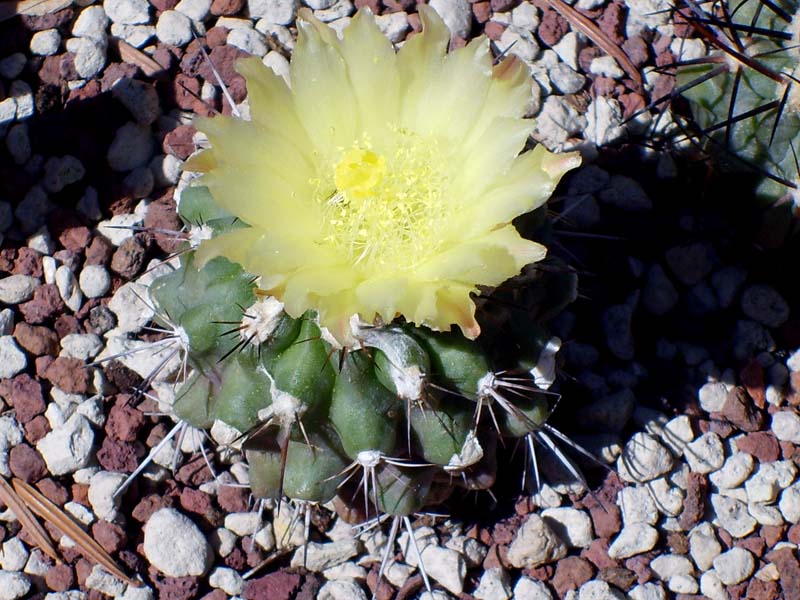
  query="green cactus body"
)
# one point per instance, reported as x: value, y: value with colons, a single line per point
x: 440, y: 428
x: 363, y: 411
x: 751, y: 109
x: 402, y: 405
x: 312, y: 473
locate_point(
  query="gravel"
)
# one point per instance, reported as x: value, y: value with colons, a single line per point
x: 174, y: 545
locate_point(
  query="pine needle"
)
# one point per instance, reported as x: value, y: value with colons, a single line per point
x: 34, y: 8
x: 594, y: 33
x: 59, y: 519
x: 29, y: 523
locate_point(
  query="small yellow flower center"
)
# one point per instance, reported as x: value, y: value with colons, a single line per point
x: 359, y: 172
x: 385, y: 208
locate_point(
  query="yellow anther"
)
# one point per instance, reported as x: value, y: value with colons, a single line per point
x: 359, y: 172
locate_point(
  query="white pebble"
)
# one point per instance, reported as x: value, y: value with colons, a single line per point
x: 12, y: 358
x: 789, y: 503
x: 606, y: 66
x: 227, y: 580
x: 83, y: 346
x: 456, y: 14
x: 13, y: 555
x: 786, y: 426
x: 140, y: 98
x: 643, y: 459
x: 13, y: 585
x: 531, y: 589
x: 734, y: 472
x: 632, y: 540
x: 68, y: 288
x: 275, y: 12
x: 197, y: 10
x: 94, y: 281
x: 599, y: 590
x: 11, y: 66
x: 174, y: 545
x: 90, y: 55
x: 68, y: 447
x: 706, y: 453
x: 16, y: 289
x: 136, y: 35
x: 571, y: 525
x: 19, y: 146
x: 174, y: 28
x: 91, y: 23
x: 535, y: 544
x: 732, y: 515
x: 393, y: 25
x: 734, y: 566
x: 45, y: 43
x: 127, y: 12
x: 248, y: 40
x: 704, y: 546
x: 104, y: 582
x: 6, y: 321
x: 132, y: 147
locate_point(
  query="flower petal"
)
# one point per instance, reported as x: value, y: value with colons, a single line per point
x: 527, y: 185
x: 488, y: 260
x: 372, y: 72
x: 323, y: 96
x: 270, y: 101
x: 249, y: 163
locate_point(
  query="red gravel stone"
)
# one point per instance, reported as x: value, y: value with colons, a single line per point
x: 552, y: 27
x: 503, y: 5
x: 67, y: 324
x: 761, y: 444
x: 571, y: 573
x: 785, y: 560
x: 69, y: 375
x: 162, y: 5
x: 226, y: 8
x: 187, y: 91
x: 694, y: 505
x: 162, y: 216
x: 109, y: 535
x: 48, y: 21
x: 275, y: 586
x: 46, y: 303
x: 678, y: 542
x: 215, y: 595
x: 99, y: 251
x: 739, y: 408
x: 75, y: 238
x: 117, y: 456
x: 236, y: 560
x: 36, y: 429
x: 129, y: 258
x: 194, y: 473
x: 195, y: 501
x: 793, y: 535
x: 26, y: 463
x: 636, y: 49
x: 641, y: 566
x: 612, y: 22
x: 482, y: 11
x: 603, y: 507
x: 59, y: 578
x: 178, y: 588
x: 82, y: 570
x: 123, y: 423
x: 25, y: 395
x: 36, y: 339
x: 150, y: 504
x: 28, y: 262
x: 752, y: 378
x: 754, y: 544
x: 772, y: 534
x: 178, y: 142
x: 55, y: 492
x: 232, y: 499
x: 494, y: 30
x: 620, y: 577
x: 762, y: 590
x: 597, y: 553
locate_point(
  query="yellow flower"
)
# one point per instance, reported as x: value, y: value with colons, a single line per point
x: 382, y: 183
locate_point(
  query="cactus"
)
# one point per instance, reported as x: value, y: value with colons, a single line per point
x: 324, y: 337
x: 744, y: 96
